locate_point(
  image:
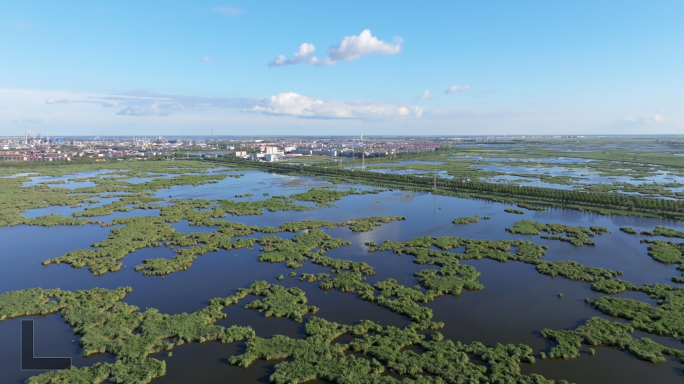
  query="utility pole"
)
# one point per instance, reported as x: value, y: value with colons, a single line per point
x: 363, y: 154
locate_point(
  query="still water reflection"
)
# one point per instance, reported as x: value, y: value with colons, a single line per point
x: 515, y: 305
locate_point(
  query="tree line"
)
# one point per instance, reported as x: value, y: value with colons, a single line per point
x: 609, y: 200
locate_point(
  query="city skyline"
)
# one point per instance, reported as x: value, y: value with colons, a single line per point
x: 382, y: 69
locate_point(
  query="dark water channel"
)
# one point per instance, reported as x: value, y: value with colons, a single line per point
x: 515, y: 305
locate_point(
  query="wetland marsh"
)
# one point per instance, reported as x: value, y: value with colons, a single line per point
x: 198, y: 271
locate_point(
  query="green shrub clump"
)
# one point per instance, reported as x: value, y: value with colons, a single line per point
x: 628, y: 230
x: 575, y: 235
x: 466, y: 220
x: 107, y: 325
x: 513, y: 210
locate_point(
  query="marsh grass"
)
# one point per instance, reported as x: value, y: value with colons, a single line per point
x: 466, y: 220
x: 318, y: 357
x: 513, y: 210
x: 600, y: 332
x: 628, y: 230
x: 576, y: 235
x: 107, y: 325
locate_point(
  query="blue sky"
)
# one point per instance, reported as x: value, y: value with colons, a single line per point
x: 161, y: 67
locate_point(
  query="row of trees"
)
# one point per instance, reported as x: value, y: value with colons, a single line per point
x: 566, y: 196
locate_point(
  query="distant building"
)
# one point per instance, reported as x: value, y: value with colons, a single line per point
x: 272, y: 151
x: 325, y: 152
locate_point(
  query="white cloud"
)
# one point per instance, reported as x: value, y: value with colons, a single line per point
x: 228, y: 11
x: 85, y: 115
x: 110, y: 104
x: 456, y: 89
x: 22, y: 25
x: 655, y: 119
x: 350, y: 48
x: 305, y: 54
x: 353, y: 47
x: 53, y: 101
x: 303, y: 106
x: 425, y: 95
x: 154, y: 109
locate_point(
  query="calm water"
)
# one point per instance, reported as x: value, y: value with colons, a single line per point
x: 528, y: 175
x: 516, y: 304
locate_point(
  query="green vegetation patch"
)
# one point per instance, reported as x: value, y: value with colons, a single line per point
x: 667, y: 252
x: 311, y: 278
x: 612, y: 287
x: 664, y: 231
x: 474, y: 249
x: 141, y: 371
x: 600, y: 332
x: 367, y: 224
x: 577, y: 236
x: 151, y: 231
x: 532, y: 207
x: 107, y: 325
x: 466, y: 220
x: 461, y: 185
x: 628, y: 230
x: 279, y: 301
x: 575, y: 271
x: 666, y: 319
x: 513, y: 210
x: 327, y: 195
x: 319, y: 358
x: 599, y: 230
